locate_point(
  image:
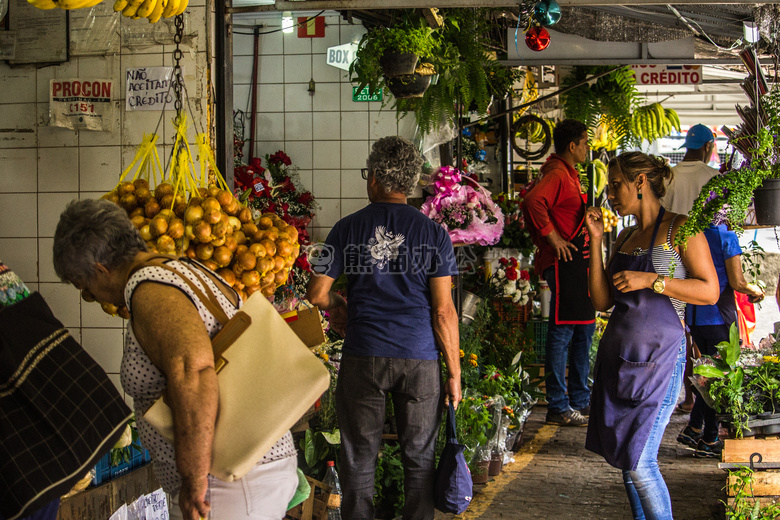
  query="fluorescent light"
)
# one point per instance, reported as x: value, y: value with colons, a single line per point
x: 750, y: 31
x: 287, y: 22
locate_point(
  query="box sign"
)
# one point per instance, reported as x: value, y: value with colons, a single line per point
x: 341, y: 56
x: 149, y: 88
x: 311, y: 27
x: 81, y: 104
x: 667, y: 74
x: 364, y: 95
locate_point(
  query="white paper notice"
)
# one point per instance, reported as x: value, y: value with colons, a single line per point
x: 120, y: 514
x: 156, y: 506
x: 81, y: 104
x: 149, y: 88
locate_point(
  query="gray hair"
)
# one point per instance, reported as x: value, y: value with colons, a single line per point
x: 395, y: 163
x: 93, y: 231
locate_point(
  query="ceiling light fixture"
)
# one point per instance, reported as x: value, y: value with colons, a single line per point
x: 287, y: 22
x: 750, y: 30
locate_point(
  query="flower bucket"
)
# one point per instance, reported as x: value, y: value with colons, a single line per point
x: 468, y: 307
x: 479, y: 471
x: 495, y: 464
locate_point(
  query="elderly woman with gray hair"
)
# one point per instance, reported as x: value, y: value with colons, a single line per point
x: 400, y: 316
x: 168, y: 351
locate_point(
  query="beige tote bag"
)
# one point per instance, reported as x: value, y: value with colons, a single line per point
x: 267, y: 380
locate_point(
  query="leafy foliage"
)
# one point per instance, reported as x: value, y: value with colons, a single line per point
x: 726, y: 197
x: 389, y: 482
x: 612, y: 97
x: 744, y: 507
x: 469, y: 76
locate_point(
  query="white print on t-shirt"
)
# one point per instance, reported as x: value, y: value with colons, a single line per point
x: 384, y: 246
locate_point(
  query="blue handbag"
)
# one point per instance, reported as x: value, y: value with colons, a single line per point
x: 452, y: 484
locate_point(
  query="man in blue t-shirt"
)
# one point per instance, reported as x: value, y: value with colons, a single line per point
x: 399, y: 320
x: 709, y: 326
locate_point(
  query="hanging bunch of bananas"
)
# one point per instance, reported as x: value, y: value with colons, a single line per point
x: 605, y: 136
x: 652, y: 122
x: 150, y: 9
x: 63, y: 4
x: 530, y: 92
x: 533, y: 131
x: 599, y: 176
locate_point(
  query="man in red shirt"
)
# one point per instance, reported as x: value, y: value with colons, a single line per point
x: 554, y: 211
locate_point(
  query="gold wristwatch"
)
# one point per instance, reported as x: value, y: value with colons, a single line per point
x: 659, y: 284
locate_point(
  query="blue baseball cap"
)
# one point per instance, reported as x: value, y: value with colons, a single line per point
x: 698, y: 136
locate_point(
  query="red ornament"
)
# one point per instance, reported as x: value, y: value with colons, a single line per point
x: 537, y: 38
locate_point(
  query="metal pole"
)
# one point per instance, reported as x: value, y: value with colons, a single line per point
x: 223, y: 43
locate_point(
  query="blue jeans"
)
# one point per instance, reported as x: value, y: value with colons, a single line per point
x: 556, y: 353
x: 363, y: 384
x: 647, y: 492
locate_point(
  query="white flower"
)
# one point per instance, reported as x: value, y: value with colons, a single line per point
x: 524, y: 299
x: 509, y: 290
x: 500, y: 274
x: 517, y: 297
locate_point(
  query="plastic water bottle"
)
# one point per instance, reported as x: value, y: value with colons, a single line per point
x: 331, y: 481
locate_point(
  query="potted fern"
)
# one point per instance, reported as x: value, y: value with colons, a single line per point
x: 392, y: 52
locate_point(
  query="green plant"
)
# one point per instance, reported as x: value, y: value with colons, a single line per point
x: 409, y: 36
x: 744, y: 506
x: 318, y: 447
x: 611, y: 99
x: 766, y: 384
x: 469, y: 76
x: 728, y: 385
x: 389, y: 482
x: 752, y: 258
x: 727, y: 197
x: 473, y: 423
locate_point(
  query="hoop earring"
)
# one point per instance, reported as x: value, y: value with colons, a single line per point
x: 639, y: 194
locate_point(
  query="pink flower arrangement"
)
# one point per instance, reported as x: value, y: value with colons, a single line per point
x: 467, y: 212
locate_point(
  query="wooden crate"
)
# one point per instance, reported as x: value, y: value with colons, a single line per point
x: 313, y: 508
x: 740, y: 450
x: 766, y: 483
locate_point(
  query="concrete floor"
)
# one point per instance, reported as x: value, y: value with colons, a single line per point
x: 554, y: 477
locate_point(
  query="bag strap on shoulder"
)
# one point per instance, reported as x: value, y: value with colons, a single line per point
x: 208, y: 300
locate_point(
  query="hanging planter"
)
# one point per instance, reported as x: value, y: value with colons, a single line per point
x: 398, y: 63
x: 409, y: 85
x: 767, y: 202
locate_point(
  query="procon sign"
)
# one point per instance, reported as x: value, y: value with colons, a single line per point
x: 667, y: 74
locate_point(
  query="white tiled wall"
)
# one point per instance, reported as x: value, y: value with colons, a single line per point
x: 42, y: 168
x: 326, y: 134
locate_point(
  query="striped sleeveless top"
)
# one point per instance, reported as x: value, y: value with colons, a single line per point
x: 666, y: 262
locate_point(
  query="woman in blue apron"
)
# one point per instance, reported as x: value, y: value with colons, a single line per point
x: 641, y: 356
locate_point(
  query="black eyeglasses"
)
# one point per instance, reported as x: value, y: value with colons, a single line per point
x: 364, y: 173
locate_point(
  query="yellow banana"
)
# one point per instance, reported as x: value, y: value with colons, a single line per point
x: 130, y: 10
x: 170, y: 8
x: 181, y: 8
x: 42, y: 4
x: 71, y: 4
x: 146, y: 8
x: 156, y: 14
x: 92, y: 3
x: 120, y: 5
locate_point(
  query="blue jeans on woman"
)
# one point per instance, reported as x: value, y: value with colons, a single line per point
x: 647, y: 491
x: 560, y: 396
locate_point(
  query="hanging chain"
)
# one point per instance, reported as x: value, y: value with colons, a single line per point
x: 178, y: 81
